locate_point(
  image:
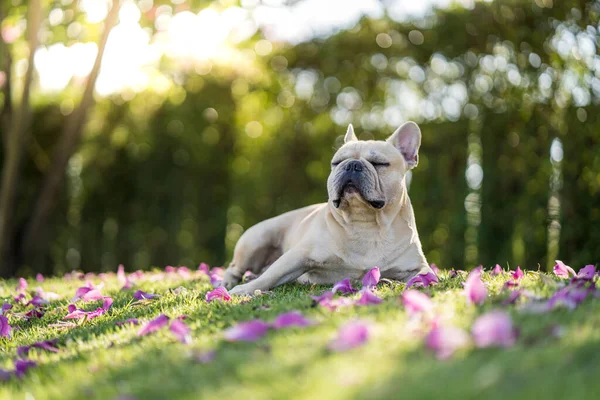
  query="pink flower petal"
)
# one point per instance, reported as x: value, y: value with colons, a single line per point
x: 416, y: 302
x: 184, y: 272
x: 39, y: 278
x: 422, y: 279
x: 435, y: 269
x: 37, y: 301
x: 181, y: 331
x: 249, y: 331
x: 49, y: 345
x: 351, y: 335
x: 344, y: 286
x: 444, y: 341
x: 219, y: 293
x: 22, y: 285
x: 130, y: 321
x: 140, y: 295
x: 216, y: 276
x: 562, y: 270
x: 5, y: 308
x: 106, y: 303
x: 157, y: 323
x: 203, y: 267
x: 513, y: 297
x: 371, y: 278
x: 5, y: 327
x: 475, y: 289
x: 518, y: 274
x: 494, y: 329
x: 497, y: 270
x: 292, y: 318
x: 368, y: 298
x: 21, y: 367
x: 587, y: 272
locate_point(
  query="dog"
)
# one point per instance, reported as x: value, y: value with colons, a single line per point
x: 368, y: 221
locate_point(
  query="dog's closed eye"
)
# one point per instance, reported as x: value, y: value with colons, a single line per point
x: 379, y: 164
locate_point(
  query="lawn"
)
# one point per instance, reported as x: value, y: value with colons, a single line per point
x: 556, y: 354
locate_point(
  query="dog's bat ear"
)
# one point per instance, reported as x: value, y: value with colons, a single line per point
x: 407, y: 139
x: 350, y: 136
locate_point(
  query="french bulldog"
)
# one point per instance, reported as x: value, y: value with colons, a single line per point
x: 367, y: 222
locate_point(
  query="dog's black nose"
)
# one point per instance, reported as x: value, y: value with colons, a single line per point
x: 354, y: 166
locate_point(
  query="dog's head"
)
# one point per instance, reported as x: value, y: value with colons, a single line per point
x: 371, y: 173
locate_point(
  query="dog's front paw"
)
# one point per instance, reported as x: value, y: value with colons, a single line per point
x: 242, y: 290
x: 230, y: 279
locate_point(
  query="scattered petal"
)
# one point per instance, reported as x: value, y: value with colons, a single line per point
x: 368, y: 298
x: 21, y: 367
x: 140, y: 295
x: 444, y: 341
x: 4, y: 375
x: 108, y: 301
x: 203, y: 267
x: 37, y: 301
x: 344, y: 286
x: 5, y: 308
x: 475, y: 289
x: 216, y: 276
x: 562, y: 270
x: 371, y: 278
x: 292, y: 318
x: 49, y: 345
x: 87, y: 293
x: 157, y: 323
x: 249, y: 331
x: 422, y: 279
x: 351, y: 335
x: 512, y: 297
x: 181, y: 331
x: 518, y: 274
x: 219, y: 293
x: 22, y: 285
x: 130, y: 321
x: 435, y: 269
x: 416, y: 302
x: 184, y: 272
x: 587, y: 272
x: 39, y: 277
x: 494, y: 329
x: 5, y: 327
x: 497, y: 270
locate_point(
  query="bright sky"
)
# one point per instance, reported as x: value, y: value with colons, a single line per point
x: 132, y: 56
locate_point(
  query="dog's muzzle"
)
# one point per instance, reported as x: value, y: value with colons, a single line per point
x: 351, y: 182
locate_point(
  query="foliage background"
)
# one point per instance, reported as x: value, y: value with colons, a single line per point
x: 173, y: 171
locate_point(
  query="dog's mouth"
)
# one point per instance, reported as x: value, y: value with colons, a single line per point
x: 349, y: 188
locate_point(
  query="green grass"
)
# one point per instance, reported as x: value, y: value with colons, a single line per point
x: 100, y: 360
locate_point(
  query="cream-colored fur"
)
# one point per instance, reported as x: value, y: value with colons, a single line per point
x: 367, y: 222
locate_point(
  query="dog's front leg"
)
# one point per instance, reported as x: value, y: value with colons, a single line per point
x: 289, y: 267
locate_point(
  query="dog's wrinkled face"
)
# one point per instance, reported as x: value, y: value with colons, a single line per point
x: 371, y: 173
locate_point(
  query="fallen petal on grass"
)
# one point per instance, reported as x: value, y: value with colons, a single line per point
x: 250, y: 331
x: 497, y: 270
x: 351, y: 335
x: 292, y: 318
x: 219, y: 293
x: 22, y: 366
x: 140, y: 295
x: 130, y: 321
x: 445, y: 341
x: 181, y: 331
x: 371, y: 278
x: 5, y: 328
x: 494, y: 329
x: 416, y: 302
x: 475, y: 290
x: 562, y: 270
x: 157, y: 323
x: 368, y: 298
x: 344, y: 286
x: 422, y: 279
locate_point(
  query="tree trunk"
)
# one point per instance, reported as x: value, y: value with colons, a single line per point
x: 16, y: 134
x: 36, y: 227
